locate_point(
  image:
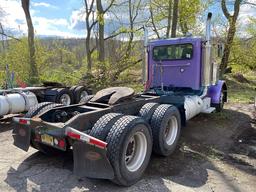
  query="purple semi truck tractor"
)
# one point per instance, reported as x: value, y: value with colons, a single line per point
x: 113, y: 133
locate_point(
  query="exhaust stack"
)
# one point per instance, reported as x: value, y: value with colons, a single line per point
x: 207, y: 55
x: 145, y: 62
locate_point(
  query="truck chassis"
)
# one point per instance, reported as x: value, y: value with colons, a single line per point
x: 109, y: 141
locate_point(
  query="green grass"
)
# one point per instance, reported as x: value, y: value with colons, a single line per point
x: 241, y: 92
x: 138, y: 87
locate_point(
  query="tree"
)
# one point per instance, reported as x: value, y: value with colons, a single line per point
x: 152, y: 17
x: 175, y: 18
x: 126, y: 59
x: 33, y: 69
x: 90, y: 23
x: 101, y: 22
x: 161, y: 17
x: 232, y: 19
x: 166, y: 16
x: 189, y: 12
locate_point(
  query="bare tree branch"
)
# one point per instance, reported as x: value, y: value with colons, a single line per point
x: 9, y: 36
x: 224, y: 9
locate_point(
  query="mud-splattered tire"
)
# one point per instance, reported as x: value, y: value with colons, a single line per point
x: 147, y: 111
x: 101, y: 128
x: 166, y: 126
x: 129, y: 149
x: 33, y: 111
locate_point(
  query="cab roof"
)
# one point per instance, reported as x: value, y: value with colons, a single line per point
x: 179, y: 40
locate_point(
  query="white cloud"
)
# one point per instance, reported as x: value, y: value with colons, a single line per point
x: 15, y: 21
x: 246, y: 12
x: 48, y: 23
x: 43, y: 4
x: 51, y: 27
x: 14, y: 16
x: 77, y: 19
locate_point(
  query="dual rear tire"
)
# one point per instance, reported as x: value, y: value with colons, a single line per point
x: 165, y: 124
x: 79, y: 93
x: 67, y: 96
x: 129, y: 147
x: 131, y: 139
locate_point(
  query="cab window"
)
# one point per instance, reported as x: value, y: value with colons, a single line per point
x: 173, y: 52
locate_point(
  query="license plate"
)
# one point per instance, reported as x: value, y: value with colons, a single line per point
x: 47, y: 139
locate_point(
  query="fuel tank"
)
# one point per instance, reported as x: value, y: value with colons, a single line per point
x: 193, y: 106
x: 17, y: 102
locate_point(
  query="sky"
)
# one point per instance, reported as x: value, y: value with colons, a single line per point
x: 63, y: 17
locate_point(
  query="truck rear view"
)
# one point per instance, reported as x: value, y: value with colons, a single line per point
x: 113, y: 133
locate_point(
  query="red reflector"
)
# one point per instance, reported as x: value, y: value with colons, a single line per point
x: 24, y: 121
x: 61, y: 143
x: 73, y: 135
x: 98, y: 143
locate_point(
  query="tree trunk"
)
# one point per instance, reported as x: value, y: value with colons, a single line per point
x: 183, y: 26
x: 33, y: 73
x: 227, y: 47
x: 101, y: 48
x: 231, y: 32
x: 89, y: 27
x: 153, y: 21
x: 88, y: 54
x: 174, y: 18
x: 169, y: 19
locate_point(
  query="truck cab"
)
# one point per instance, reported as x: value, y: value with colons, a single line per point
x: 177, y: 61
x: 185, y: 66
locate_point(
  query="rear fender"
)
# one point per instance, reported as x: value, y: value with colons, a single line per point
x: 214, y: 92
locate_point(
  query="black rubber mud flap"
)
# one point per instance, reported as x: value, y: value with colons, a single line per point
x: 21, y: 135
x: 91, y: 161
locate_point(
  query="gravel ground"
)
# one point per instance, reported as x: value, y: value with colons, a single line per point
x: 216, y: 153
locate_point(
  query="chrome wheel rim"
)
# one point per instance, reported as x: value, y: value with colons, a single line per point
x: 136, y: 151
x: 83, y: 95
x: 65, y: 99
x: 171, y: 130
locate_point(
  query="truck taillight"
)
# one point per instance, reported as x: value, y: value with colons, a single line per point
x: 24, y: 121
x: 61, y: 143
x: 75, y: 134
